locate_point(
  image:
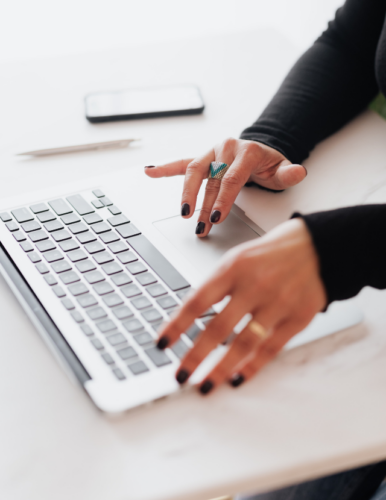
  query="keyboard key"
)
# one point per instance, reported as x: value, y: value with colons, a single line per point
x: 152, y: 315
x: 34, y: 257
x: 103, y: 288
x: 69, y: 277
x: 127, y: 230
x: 87, y: 330
x: 141, y: 303
x: 106, y: 201
x: 70, y: 218
x: 193, y: 332
x: 46, y: 216
x: 42, y: 268
x: 77, y: 255
x: 60, y: 207
x: 12, y: 226
x: 156, y: 290
x: 183, y: 293
x: 106, y: 326
x: 159, y: 358
x: 19, y: 236
x: 53, y: 256
x: 78, y: 227
x: 122, y: 312
x: 51, y: 279
x: 69, y: 245
x: 38, y: 236
x: 136, y: 268
x: 112, y: 300
x: 94, y: 247
x: 61, y: 235
x: 45, y: 246
x: 97, y: 204
x: 59, y: 292
x: 118, y: 220
x: 98, y: 193
x: 78, y: 289
x: 114, y: 210
x: 61, y: 267
x: 109, y: 237
x: 112, y: 268
x: 86, y: 237
x: 118, y: 247
x: 80, y: 204
x: 26, y: 246
x: 38, y: 208
x: 92, y: 218
x: 68, y: 304
x: 167, y: 302
x: 87, y: 300
x: 157, y: 326
x: 116, y: 339
x: 108, y: 358
x: 103, y: 257
x: 52, y: 226
x: 77, y: 316
x: 31, y: 226
x: 131, y: 291
x: 85, y: 266
x: 100, y: 227
x: 118, y: 372
x: 96, y: 313
x: 22, y: 215
x: 146, y: 279
x: 143, y: 338
x: 180, y: 349
x: 121, y: 279
x: 97, y: 344
x: 5, y: 217
x: 133, y: 325
x: 138, y: 368
x: 127, y: 353
x: 94, y: 277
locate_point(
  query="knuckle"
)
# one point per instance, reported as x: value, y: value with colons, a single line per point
x: 229, y: 144
x: 212, y: 187
x: 193, y: 165
x: 269, y: 349
x: 232, y: 178
x: 244, y: 344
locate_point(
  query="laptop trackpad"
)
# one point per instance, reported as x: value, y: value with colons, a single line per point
x: 204, y: 253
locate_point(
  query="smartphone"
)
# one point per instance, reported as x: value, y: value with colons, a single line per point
x: 148, y: 102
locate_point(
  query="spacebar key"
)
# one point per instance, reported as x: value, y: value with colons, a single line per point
x: 80, y: 204
x: 158, y: 263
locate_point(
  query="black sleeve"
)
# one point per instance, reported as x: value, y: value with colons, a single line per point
x: 351, y: 244
x: 328, y: 86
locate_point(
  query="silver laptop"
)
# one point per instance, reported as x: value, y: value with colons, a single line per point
x: 100, y: 268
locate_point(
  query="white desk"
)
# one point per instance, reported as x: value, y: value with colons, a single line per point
x: 315, y: 410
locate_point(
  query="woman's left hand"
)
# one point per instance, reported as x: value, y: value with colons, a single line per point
x: 274, y: 278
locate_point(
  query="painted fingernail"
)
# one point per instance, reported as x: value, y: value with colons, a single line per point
x: 162, y: 343
x: 206, y: 387
x: 185, y: 209
x: 182, y: 376
x: 237, y: 380
x: 200, y: 228
x: 150, y: 166
x: 215, y: 216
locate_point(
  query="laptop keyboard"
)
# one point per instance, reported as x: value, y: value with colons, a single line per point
x: 115, y: 284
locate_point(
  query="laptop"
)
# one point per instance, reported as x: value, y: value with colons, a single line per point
x: 99, y: 265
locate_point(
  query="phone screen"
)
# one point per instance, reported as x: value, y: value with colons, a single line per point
x: 141, y: 103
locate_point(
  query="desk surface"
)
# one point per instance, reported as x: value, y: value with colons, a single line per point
x: 316, y: 409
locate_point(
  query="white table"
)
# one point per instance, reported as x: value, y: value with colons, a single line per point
x: 315, y: 410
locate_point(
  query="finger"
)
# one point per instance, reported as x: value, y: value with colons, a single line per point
x: 283, y: 177
x: 168, y: 170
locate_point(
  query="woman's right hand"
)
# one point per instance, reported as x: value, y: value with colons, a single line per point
x: 248, y: 160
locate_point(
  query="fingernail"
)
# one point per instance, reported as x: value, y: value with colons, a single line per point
x: 185, y: 209
x: 237, y: 380
x: 182, y: 376
x: 305, y: 170
x: 150, y: 166
x: 206, y: 387
x: 162, y: 343
x: 200, y: 228
x: 215, y: 216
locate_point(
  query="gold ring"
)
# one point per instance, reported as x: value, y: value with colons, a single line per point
x: 258, y: 329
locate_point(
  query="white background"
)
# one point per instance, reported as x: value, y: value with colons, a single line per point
x: 40, y: 28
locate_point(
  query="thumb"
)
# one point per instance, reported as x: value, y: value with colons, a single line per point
x: 169, y: 169
x: 284, y: 177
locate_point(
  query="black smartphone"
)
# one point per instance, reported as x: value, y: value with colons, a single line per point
x: 148, y: 102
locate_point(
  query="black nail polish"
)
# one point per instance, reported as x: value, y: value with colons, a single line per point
x: 215, y: 216
x: 182, y: 376
x: 206, y: 387
x: 200, y: 228
x: 237, y: 380
x: 150, y: 166
x: 162, y: 343
x: 185, y: 209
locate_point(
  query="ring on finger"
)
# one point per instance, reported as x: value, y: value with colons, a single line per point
x: 258, y: 329
x: 217, y: 170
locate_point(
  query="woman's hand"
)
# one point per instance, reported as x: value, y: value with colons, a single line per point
x: 274, y: 278
x: 248, y: 160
